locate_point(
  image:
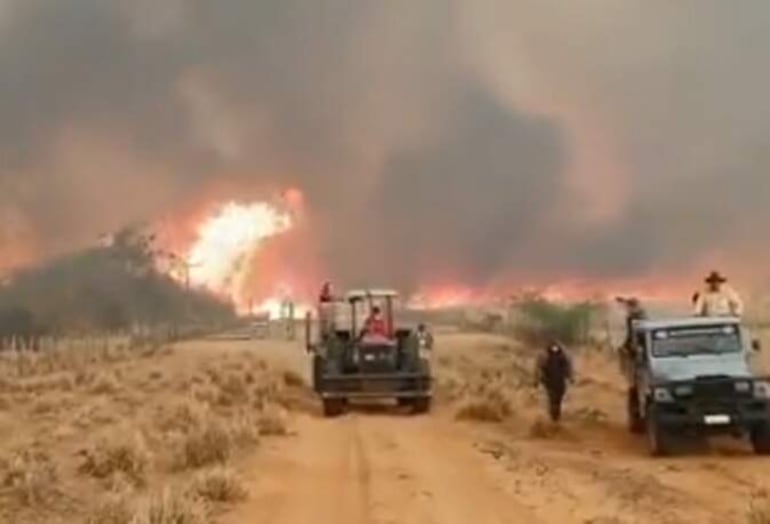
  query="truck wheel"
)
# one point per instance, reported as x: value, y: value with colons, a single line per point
x: 333, y: 407
x: 657, y: 437
x: 635, y: 421
x: 760, y: 439
x: 421, y: 405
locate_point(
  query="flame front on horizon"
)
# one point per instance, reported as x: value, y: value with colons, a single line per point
x: 227, y: 242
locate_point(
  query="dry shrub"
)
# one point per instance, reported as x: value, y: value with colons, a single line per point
x: 105, y: 384
x: 113, y: 509
x: 206, y: 394
x: 220, y: 485
x: 272, y: 423
x: 29, y: 476
x: 43, y: 406
x: 293, y: 379
x: 184, y: 417
x: 232, y: 391
x: 759, y: 509
x: 244, y: 430
x: 122, y: 454
x: 171, y: 507
x: 207, y: 445
x: 489, y: 405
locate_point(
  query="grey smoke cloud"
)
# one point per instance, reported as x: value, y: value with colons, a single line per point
x: 440, y: 138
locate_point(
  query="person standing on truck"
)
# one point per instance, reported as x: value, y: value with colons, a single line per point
x: 554, y: 370
x: 718, y: 299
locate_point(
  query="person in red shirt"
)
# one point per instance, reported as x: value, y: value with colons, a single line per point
x: 326, y: 295
x: 375, y: 324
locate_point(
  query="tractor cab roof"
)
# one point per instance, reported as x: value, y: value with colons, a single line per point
x: 364, y: 294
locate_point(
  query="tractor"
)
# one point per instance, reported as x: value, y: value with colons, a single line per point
x: 351, y: 363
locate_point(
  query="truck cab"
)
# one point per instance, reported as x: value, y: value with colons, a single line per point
x: 695, y: 376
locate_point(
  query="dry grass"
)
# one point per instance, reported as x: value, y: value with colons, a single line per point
x: 166, y: 507
x: 29, y: 477
x: 195, y: 414
x: 184, y: 417
x: 123, y: 453
x: 293, y: 379
x: 171, y: 507
x: 759, y: 509
x: 272, y: 423
x: 221, y: 485
x: 487, y: 405
x: 209, y: 444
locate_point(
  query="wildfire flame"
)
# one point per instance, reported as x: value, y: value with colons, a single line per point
x: 227, y: 241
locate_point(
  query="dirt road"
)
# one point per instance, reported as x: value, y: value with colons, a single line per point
x: 378, y: 466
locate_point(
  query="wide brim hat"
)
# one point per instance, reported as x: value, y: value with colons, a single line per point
x: 715, y: 277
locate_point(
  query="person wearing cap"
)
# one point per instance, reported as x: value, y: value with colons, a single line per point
x: 554, y: 370
x: 718, y: 299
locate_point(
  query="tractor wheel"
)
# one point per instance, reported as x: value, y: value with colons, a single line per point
x: 403, y: 402
x: 421, y: 405
x: 318, y: 369
x: 760, y: 439
x: 333, y: 407
x: 635, y: 421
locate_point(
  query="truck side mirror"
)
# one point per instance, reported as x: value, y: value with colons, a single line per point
x: 756, y: 345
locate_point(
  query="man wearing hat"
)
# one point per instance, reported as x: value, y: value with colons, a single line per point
x: 719, y: 299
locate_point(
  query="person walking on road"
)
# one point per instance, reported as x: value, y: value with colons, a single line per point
x: 554, y: 371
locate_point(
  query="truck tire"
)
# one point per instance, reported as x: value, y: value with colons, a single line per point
x: 760, y: 439
x: 421, y: 405
x: 657, y: 436
x: 333, y: 407
x: 635, y: 420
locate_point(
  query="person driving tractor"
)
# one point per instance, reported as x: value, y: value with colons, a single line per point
x: 375, y: 323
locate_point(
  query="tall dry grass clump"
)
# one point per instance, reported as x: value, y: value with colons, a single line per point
x: 29, y: 476
x: 207, y: 445
x: 759, y: 509
x: 121, y: 454
x: 220, y: 485
x: 171, y: 506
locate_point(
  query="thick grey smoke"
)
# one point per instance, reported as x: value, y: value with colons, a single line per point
x: 441, y: 138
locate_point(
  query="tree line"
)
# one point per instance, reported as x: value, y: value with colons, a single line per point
x: 114, y: 287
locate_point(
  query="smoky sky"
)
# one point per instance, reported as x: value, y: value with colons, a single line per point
x: 435, y: 139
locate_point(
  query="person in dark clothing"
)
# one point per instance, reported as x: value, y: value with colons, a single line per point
x: 554, y: 371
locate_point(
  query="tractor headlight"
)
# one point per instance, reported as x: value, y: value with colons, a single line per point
x: 743, y: 386
x: 662, y: 395
x: 762, y: 389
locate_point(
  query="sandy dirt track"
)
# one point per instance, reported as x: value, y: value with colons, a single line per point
x: 381, y: 466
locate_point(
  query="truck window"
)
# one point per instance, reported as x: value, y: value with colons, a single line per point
x: 684, y: 342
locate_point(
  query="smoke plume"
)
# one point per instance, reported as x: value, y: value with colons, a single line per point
x: 442, y: 139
